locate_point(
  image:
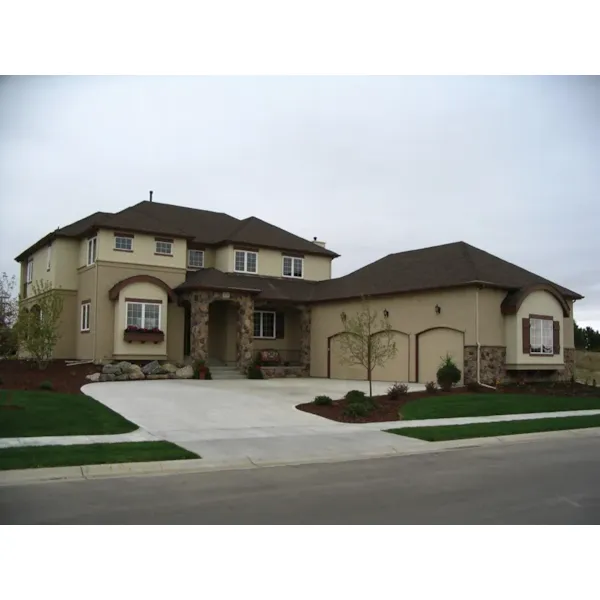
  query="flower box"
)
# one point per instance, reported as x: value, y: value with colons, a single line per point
x: 135, y: 334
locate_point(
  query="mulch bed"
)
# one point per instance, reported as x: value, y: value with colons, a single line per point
x: 387, y: 410
x: 25, y: 375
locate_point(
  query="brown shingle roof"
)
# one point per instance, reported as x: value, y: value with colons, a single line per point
x: 449, y: 265
x: 200, y: 226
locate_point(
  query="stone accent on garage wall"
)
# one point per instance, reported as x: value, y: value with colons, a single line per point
x: 280, y: 371
x: 305, y: 324
x: 492, y: 364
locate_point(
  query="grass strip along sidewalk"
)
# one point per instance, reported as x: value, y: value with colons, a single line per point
x: 32, y: 457
x: 443, y: 433
x: 484, y: 405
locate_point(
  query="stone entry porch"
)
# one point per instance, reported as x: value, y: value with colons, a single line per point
x: 220, y: 329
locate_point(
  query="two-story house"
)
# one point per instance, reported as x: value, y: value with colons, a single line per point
x: 218, y: 288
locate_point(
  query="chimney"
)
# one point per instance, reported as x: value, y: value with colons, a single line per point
x: 151, y: 192
x: 318, y: 243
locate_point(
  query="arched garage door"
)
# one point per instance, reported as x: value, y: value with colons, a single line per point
x: 432, y: 347
x: 395, y: 369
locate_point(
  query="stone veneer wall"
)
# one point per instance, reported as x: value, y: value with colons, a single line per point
x: 271, y: 372
x: 491, y: 366
x: 200, y: 302
x: 305, y: 322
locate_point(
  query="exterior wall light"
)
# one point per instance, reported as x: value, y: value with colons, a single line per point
x: 343, y: 317
x: 438, y: 309
x: 386, y: 313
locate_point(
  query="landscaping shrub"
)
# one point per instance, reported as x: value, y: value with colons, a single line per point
x: 254, y: 372
x: 355, y: 396
x: 357, y: 409
x: 46, y: 385
x: 396, y: 391
x: 430, y: 387
x: 448, y: 374
x: 323, y: 401
x: 1, y: 380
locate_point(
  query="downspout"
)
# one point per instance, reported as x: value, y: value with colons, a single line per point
x: 491, y: 387
x: 95, y: 315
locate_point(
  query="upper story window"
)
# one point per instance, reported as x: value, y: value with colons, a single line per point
x: 541, y: 332
x: 49, y: 257
x: 196, y: 259
x: 145, y: 315
x: 123, y: 242
x: 245, y: 261
x: 164, y: 247
x: 293, y: 266
x: 29, y: 277
x: 92, y: 250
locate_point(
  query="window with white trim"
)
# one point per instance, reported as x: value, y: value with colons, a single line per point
x: 541, y: 336
x: 49, y: 257
x: 164, y: 247
x: 29, y: 277
x: 264, y: 324
x: 245, y: 261
x: 196, y: 259
x: 92, y: 250
x: 85, y: 316
x: 145, y: 315
x: 123, y: 242
x: 293, y: 266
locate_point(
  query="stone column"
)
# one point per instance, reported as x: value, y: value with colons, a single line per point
x: 199, y: 302
x: 305, y: 325
x: 245, y: 332
x: 569, y: 358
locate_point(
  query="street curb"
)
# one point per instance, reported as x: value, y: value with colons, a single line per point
x: 89, y: 472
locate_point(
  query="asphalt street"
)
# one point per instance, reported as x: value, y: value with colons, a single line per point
x: 542, y: 482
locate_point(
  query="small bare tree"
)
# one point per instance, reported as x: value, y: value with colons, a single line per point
x: 38, y: 322
x: 367, y: 340
x: 8, y: 315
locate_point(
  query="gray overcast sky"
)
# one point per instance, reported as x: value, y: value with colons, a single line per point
x: 371, y: 165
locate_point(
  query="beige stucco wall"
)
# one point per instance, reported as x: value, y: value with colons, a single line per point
x: 141, y: 291
x: 86, y: 290
x: 224, y: 258
x: 66, y: 347
x: 143, y: 251
x: 289, y: 345
x: 40, y: 273
x: 537, y: 303
x: 270, y: 263
x: 409, y: 313
x: 433, y: 346
x: 491, y: 320
x: 64, y: 261
x: 569, y: 327
x: 109, y: 274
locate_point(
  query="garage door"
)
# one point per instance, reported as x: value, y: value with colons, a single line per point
x: 433, y: 346
x: 395, y: 369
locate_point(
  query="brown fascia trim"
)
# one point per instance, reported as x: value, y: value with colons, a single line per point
x: 328, y: 253
x: 48, y: 238
x: 144, y: 300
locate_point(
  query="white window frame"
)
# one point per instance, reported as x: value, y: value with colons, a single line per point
x: 546, y: 333
x: 144, y: 304
x: 92, y: 250
x: 261, y: 313
x: 84, y: 322
x: 124, y: 238
x: 29, y: 273
x: 49, y: 257
x: 196, y: 252
x: 165, y: 242
x: 246, y: 253
x: 293, y: 260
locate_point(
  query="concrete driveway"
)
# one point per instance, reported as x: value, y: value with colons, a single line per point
x: 252, y: 419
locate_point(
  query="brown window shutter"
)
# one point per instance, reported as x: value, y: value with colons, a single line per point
x: 279, y: 325
x: 526, y: 337
x: 556, y: 337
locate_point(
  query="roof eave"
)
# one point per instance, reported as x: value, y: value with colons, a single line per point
x: 322, y: 252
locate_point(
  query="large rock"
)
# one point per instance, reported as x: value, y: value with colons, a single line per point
x: 169, y: 368
x: 186, y: 372
x: 127, y: 367
x: 135, y: 375
x: 94, y: 377
x: 152, y: 368
x: 112, y: 370
x: 157, y: 376
x: 107, y: 377
x: 123, y: 377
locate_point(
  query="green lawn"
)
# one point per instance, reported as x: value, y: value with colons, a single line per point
x: 482, y: 405
x: 93, y: 454
x: 475, y: 430
x: 50, y: 413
